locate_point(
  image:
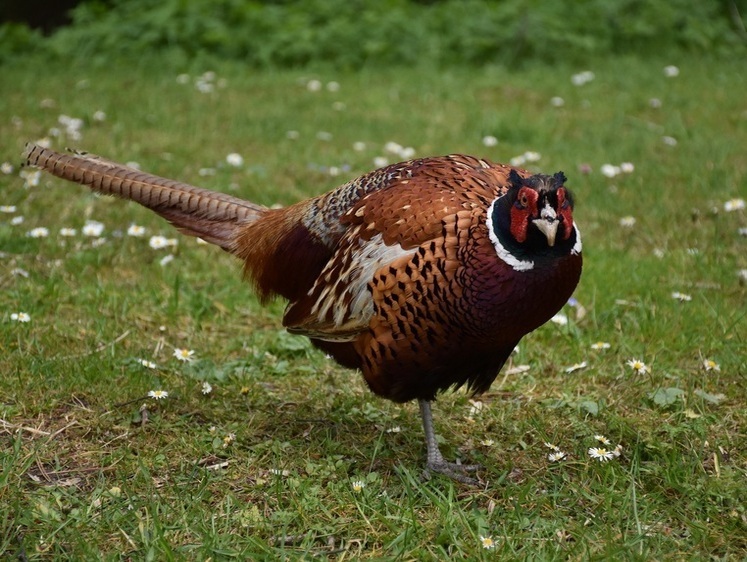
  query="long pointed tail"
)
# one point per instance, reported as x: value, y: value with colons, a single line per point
x: 214, y: 217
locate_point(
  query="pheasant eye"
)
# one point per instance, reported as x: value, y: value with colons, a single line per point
x: 523, y: 199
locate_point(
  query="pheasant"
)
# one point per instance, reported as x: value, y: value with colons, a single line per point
x: 424, y: 274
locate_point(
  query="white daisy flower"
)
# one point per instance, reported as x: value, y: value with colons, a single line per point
x: 147, y: 364
x: 186, y: 355
x: 682, y: 297
x: 487, y: 543
x: 711, y: 365
x: 638, y: 366
x: 234, y: 159
x: 602, y: 439
x: 158, y: 394
x: 358, y: 485
x: 556, y: 456
x: 207, y: 388
x: 135, y: 230
x: 20, y: 317
x: 93, y: 228
x: 38, y: 232
x: 600, y: 345
x: 7, y: 208
x: 489, y: 140
x: 601, y: 454
x: 576, y: 367
x: 736, y: 204
x: 68, y: 232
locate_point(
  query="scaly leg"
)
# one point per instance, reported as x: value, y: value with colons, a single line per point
x: 434, y: 460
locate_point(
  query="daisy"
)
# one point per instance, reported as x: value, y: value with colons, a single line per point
x: 671, y: 71
x: 395, y: 429
x: 602, y: 439
x: 358, y: 485
x: 20, y: 317
x: 617, y: 451
x: 158, y: 394
x: 557, y: 101
x: 487, y: 442
x: 601, y: 454
x: 380, y: 161
x: 278, y: 472
x: 669, y: 141
x: 489, y: 140
x: 575, y: 367
x: 165, y: 260
x: 359, y: 146
x: 582, y: 78
x: 7, y: 208
x: 734, y: 205
x: 135, y: 230
x: 6, y: 168
x: 235, y: 160
x: 161, y: 242
x: 610, y: 170
x: 228, y: 439
x: 15, y: 221
x: 407, y: 153
x: 475, y: 408
x: 333, y: 86
x: 559, y: 319
x: 313, y: 85
x: 627, y: 222
x: 638, y: 366
x: 556, y: 456
x: 147, y: 364
x: 68, y: 232
x: 711, y: 365
x: 682, y: 297
x: 627, y: 168
x: 207, y: 388
x: 487, y: 542
x: 600, y: 345
x: 183, y: 354
x: 99, y: 115
x: 31, y: 178
x: 551, y: 446
x: 38, y: 232
x: 93, y: 228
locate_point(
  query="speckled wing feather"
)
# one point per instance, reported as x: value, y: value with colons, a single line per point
x: 384, y: 230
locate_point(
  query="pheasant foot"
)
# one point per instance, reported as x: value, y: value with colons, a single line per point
x: 435, y: 461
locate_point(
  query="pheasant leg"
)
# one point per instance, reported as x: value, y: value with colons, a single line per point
x: 435, y: 462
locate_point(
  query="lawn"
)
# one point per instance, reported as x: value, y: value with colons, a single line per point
x: 264, y: 449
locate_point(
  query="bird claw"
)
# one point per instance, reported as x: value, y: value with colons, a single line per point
x: 453, y: 470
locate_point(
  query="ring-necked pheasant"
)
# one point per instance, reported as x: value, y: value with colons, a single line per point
x: 424, y: 274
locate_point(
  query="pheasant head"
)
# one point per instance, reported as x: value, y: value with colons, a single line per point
x: 533, y: 219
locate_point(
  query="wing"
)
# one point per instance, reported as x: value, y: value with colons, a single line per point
x: 384, y: 231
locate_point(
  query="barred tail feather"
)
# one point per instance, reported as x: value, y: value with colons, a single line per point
x: 214, y: 217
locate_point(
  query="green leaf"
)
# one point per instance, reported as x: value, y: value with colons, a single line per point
x: 708, y: 397
x: 666, y: 396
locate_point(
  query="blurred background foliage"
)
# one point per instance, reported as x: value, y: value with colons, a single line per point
x: 353, y: 33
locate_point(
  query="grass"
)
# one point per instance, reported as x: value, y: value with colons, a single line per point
x: 87, y: 473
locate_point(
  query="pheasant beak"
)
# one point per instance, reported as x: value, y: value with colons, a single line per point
x: 548, y: 224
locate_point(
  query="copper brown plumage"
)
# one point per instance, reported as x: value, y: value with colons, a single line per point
x: 424, y: 274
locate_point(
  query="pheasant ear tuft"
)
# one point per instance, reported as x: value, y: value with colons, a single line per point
x: 514, y: 179
x: 560, y: 179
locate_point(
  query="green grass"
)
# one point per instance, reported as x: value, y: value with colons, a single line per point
x: 85, y: 474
